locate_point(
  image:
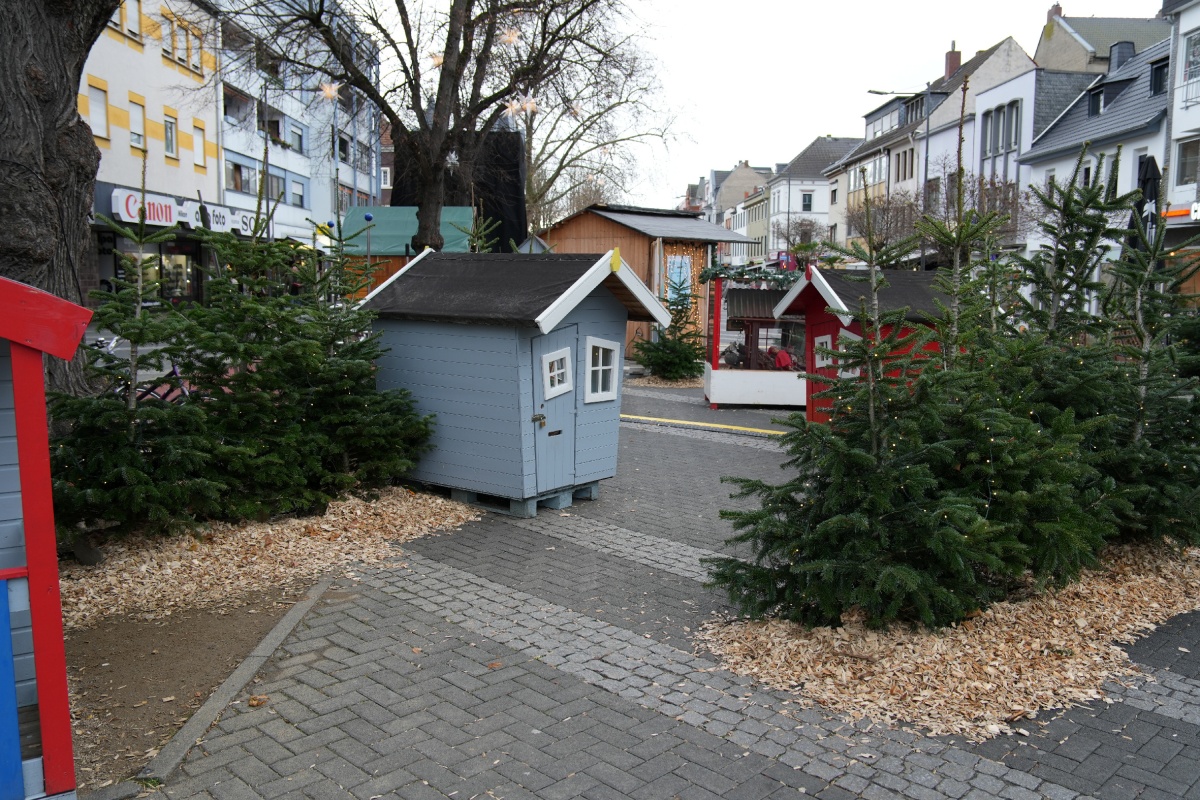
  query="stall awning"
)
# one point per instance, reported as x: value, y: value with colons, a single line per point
x: 753, y: 304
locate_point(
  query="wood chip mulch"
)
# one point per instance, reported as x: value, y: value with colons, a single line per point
x: 152, y: 577
x: 661, y: 383
x: 988, y: 675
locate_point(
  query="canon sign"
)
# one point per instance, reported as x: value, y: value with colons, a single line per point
x: 167, y: 211
x: 160, y: 209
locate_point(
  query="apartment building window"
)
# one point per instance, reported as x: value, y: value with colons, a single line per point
x: 115, y: 19
x: 833, y: 232
x: 275, y: 187
x: 298, y: 194
x: 195, y: 50
x: 98, y: 111
x: 1188, y: 161
x: 343, y: 150
x: 133, y: 18
x: 1013, y: 119
x: 296, y: 138
x: 170, y: 129
x: 385, y: 177
x: 240, y: 178
x: 1191, y: 57
x: 806, y: 201
x: 137, y: 125
x: 198, y: 155
x: 833, y: 195
x: 1095, y: 102
x: 168, y: 37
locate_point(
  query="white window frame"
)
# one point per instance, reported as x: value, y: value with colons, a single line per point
x: 565, y: 379
x: 385, y: 177
x: 199, y: 157
x: 171, y: 136
x: 98, y: 111
x: 137, y: 125
x: 844, y: 336
x: 600, y: 396
x: 822, y: 360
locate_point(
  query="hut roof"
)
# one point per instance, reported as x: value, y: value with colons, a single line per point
x: 842, y: 293
x: 509, y: 288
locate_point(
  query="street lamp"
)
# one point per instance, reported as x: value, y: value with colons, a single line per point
x: 926, y: 111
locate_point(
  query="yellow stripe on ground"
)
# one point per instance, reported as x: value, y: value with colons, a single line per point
x: 702, y: 424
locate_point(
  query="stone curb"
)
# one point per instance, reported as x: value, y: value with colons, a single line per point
x: 172, y: 754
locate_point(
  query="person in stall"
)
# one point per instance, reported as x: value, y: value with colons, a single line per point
x: 780, y: 358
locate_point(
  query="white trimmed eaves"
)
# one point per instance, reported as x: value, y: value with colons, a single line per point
x: 400, y: 272
x: 557, y: 311
x: 823, y: 288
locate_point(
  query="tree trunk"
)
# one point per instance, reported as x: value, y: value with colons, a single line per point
x: 48, y: 160
x: 431, y: 196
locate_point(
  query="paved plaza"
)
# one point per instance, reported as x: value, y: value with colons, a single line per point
x: 554, y: 658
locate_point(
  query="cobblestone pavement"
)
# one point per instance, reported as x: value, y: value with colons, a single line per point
x: 553, y: 658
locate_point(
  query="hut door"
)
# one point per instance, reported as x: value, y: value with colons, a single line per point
x: 554, y: 387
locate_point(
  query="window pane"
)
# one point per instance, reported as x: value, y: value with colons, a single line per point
x: 198, y: 146
x: 169, y: 128
x: 1191, y: 58
x: 1189, y: 157
x: 98, y: 111
x: 133, y: 16
x: 137, y: 125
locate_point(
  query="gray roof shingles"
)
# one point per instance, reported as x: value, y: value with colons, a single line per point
x: 1103, y: 32
x: 1130, y: 112
x: 820, y: 154
x: 495, y: 288
x: 683, y: 227
x: 1055, y: 91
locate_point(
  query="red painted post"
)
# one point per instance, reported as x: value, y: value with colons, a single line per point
x: 716, y: 325
x: 45, y: 604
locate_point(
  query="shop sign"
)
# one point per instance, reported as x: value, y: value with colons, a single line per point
x: 160, y: 209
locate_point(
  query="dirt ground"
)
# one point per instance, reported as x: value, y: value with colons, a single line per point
x: 135, y: 682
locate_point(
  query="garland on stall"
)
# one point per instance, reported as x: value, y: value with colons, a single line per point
x: 774, y: 279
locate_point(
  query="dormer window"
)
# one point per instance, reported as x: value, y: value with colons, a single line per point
x: 1095, y: 102
x: 1158, y: 77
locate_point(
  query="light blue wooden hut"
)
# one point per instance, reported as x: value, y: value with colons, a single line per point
x: 520, y: 358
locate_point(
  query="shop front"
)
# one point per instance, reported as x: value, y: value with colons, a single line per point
x: 178, y: 262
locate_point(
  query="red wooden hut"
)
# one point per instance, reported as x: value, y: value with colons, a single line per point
x: 829, y: 301
x: 35, y: 719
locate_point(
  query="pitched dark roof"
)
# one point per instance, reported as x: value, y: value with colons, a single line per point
x: 1055, y: 91
x: 501, y: 288
x: 939, y: 90
x: 1129, y: 109
x: 820, y: 154
x: 509, y: 288
x: 1101, y: 33
x: 905, y: 289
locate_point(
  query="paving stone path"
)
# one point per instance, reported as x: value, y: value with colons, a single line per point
x: 554, y: 658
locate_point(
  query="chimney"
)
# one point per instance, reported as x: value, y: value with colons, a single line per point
x: 953, y: 60
x: 1055, y: 11
x: 1118, y: 54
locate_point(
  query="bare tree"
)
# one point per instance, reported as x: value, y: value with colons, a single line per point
x: 887, y: 219
x: 581, y: 132
x: 797, y: 231
x: 441, y: 77
x: 48, y: 160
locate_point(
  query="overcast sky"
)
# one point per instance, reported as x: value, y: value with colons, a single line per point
x: 758, y: 80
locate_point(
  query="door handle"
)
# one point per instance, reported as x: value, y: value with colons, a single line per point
x: 540, y: 419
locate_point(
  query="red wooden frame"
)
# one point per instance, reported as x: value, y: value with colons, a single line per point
x: 36, y: 322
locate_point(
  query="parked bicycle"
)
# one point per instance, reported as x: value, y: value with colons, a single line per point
x: 170, y: 388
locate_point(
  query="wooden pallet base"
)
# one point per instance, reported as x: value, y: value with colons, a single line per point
x: 527, y: 507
